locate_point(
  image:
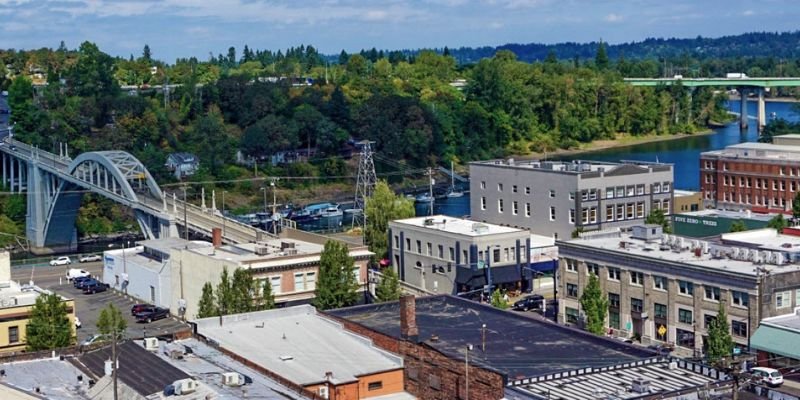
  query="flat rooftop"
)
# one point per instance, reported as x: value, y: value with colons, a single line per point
x: 679, y: 249
x: 616, y: 383
x: 516, y: 345
x: 458, y: 226
x: 275, y: 252
x: 299, y: 345
x: 12, y: 294
x: 166, y: 244
x: 56, y: 379
x: 766, y: 151
x: 728, y: 214
x: 765, y: 239
x: 788, y: 321
x: 571, y: 167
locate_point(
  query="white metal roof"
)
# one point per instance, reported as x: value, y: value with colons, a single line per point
x: 457, y: 226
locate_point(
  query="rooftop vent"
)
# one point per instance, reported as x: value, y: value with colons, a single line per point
x: 640, y: 385
x: 261, y: 250
x: 428, y: 222
x: 287, y: 245
x: 480, y: 228
x: 286, y: 358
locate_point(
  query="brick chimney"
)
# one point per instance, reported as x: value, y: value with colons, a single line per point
x: 408, y: 318
x: 216, y: 237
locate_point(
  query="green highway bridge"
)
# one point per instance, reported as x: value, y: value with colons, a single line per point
x: 743, y: 84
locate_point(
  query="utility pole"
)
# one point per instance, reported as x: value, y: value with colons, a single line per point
x: 114, y: 360
x: 430, y: 190
x: 223, y: 215
x: 483, y: 338
x: 466, y: 371
x: 274, y: 205
x: 185, y: 219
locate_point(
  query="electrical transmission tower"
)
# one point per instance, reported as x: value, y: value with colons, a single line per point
x: 365, y: 183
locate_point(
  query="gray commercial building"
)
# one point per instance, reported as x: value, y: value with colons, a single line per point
x: 667, y: 289
x: 556, y: 198
x: 449, y: 255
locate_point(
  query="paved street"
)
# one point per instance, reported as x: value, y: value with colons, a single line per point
x: 88, y: 306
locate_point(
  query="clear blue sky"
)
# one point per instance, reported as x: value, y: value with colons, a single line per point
x: 182, y: 28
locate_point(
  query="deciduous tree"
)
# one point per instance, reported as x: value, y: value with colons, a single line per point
x: 657, y: 217
x: 498, y: 301
x: 389, y: 287
x: 595, y: 306
x: 720, y: 343
x: 49, y: 326
x: 111, y: 323
x: 337, y: 285
x: 778, y: 223
x: 382, y: 207
x: 738, y: 226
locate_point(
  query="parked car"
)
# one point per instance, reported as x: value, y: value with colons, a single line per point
x: 150, y: 314
x: 92, y: 339
x: 79, y: 280
x: 73, y: 273
x: 137, y: 308
x: 526, y: 303
x: 771, y: 376
x: 94, y: 286
x: 90, y: 258
x: 63, y: 260
x: 84, y: 282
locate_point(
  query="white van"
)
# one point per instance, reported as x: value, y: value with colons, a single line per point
x: 771, y: 376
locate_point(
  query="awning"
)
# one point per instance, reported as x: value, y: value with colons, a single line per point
x: 469, y: 277
x: 775, y: 340
x: 506, y: 274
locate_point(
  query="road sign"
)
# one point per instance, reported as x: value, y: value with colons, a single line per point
x: 662, y: 330
x: 628, y: 326
x: 481, y: 264
x: 737, y: 351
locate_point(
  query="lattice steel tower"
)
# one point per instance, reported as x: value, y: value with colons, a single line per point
x: 365, y: 182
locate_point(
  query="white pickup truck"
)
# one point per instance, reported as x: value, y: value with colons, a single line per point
x: 73, y: 273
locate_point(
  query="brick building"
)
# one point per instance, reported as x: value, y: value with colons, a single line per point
x: 757, y: 176
x: 433, y: 335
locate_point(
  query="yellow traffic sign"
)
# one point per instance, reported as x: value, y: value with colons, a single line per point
x: 662, y: 330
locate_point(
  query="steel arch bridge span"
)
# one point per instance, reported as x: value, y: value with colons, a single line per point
x: 113, y: 171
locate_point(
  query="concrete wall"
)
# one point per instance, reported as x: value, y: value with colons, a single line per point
x: 149, y: 283
x: 534, y: 188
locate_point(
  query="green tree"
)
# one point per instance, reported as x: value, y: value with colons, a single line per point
x: 49, y: 326
x: 242, y: 289
x: 601, y: 58
x: 146, y: 55
x: 389, y: 287
x: 498, y: 301
x: 720, y: 343
x: 657, y: 217
x: 595, y: 306
x: 111, y: 323
x: 24, y: 114
x: 337, y: 285
x: 796, y: 209
x: 738, y: 226
x: 267, y: 298
x: 207, y: 307
x: 225, y: 296
x: 383, y: 206
x: 778, y: 223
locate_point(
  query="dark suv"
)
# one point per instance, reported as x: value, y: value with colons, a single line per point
x: 137, y: 308
x: 150, y: 314
x: 94, y: 286
x: 531, y: 302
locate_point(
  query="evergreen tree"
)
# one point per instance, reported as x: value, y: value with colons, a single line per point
x: 224, y: 293
x: 381, y: 208
x: 778, y: 223
x: 337, y: 285
x: 601, y: 58
x: 146, y: 56
x: 657, y: 217
x: 738, y: 226
x: 720, y: 343
x: 595, y: 306
x: 207, y: 306
x: 389, y: 287
x: 49, y: 326
x: 498, y: 301
x: 242, y: 289
x: 111, y: 323
x: 796, y: 209
x: 267, y: 298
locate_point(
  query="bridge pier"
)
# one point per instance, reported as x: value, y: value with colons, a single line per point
x: 762, y: 111
x: 743, y: 108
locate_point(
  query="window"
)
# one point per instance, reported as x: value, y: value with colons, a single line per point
x: 629, y: 209
x: 500, y: 205
x: 299, y: 282
x: 483, y: 184
x: 783, y: 299
x: 685, y: 338
x: 685, y: 316
x: 552, y: 213
x: 665, y: 206
x: 620, y: 191
x: 656, y: 188
x: 419, y: 247
x: 452, y: 254
x: 708, y: 319
x: 505, y: 254
x: 13, y: 334
x: 275, y: 282
x: 584, y: 216
x: 514, y: 189
x: 552, y: 193
x: 572, y: 290
x: 741, y: 299
x: 659, y: 310
x: 739, y: 328
x: 613, y: 319
x: 527, y: 190
x: 571, y: 195
x: 514, y: 208
x: 659, y: 282
x: 613, y: 274
x: 429, y: 247
x: 396, y: 242
x: 572, y: 315
x: 375, y: 385
x: 434, y: 382
x: 637, y: 278
x: 572, y: 265
x: 357, y: 274
x: 686, y: 288
x: 571, y: 215
x: 440, y: 251
x: 311, y: 281
x: 408, y: 244
x: 496, y: 255
x: 636, y: 305
x: 613, y: 301
x: 499, y: 187
x: 639, y: 190
x: 413, y: 373
x: 593, y: 215
x: 592, y: 269
x: 665, y: 187
x: 630, y: 190
x: 640, y: 209
x: 620, y: 212
x: 610, y: 193
x: 152, y: 294
x: 712, y: 293
x: 483, y: 203
x: 527, y: 209
x: 610, y: 212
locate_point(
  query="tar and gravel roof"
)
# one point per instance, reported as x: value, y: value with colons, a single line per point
x: 516, y: 345
x: 299, y: 345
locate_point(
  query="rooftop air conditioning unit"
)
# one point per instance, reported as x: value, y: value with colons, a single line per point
x: 151, y: 343
x: 233, y: 379
x: 428, y: 222
x: 735, y: 253
x: 185, y: 386
x: 287, y: 245
x: 673, y: 365
x: 261, y: 250
x: 640, y: 385
x: 290, y: 252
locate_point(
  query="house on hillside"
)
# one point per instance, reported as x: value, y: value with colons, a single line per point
x: 182, y: 164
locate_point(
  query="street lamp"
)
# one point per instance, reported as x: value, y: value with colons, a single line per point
x: 467, y: 349
x: 223, y: 215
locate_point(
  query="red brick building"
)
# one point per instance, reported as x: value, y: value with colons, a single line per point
x: 750, y: 176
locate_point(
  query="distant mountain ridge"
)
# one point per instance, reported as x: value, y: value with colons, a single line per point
x: 754, y: 44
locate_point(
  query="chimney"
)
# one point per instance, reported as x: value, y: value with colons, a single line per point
x: 408, y: 318
x: 216, y: 237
